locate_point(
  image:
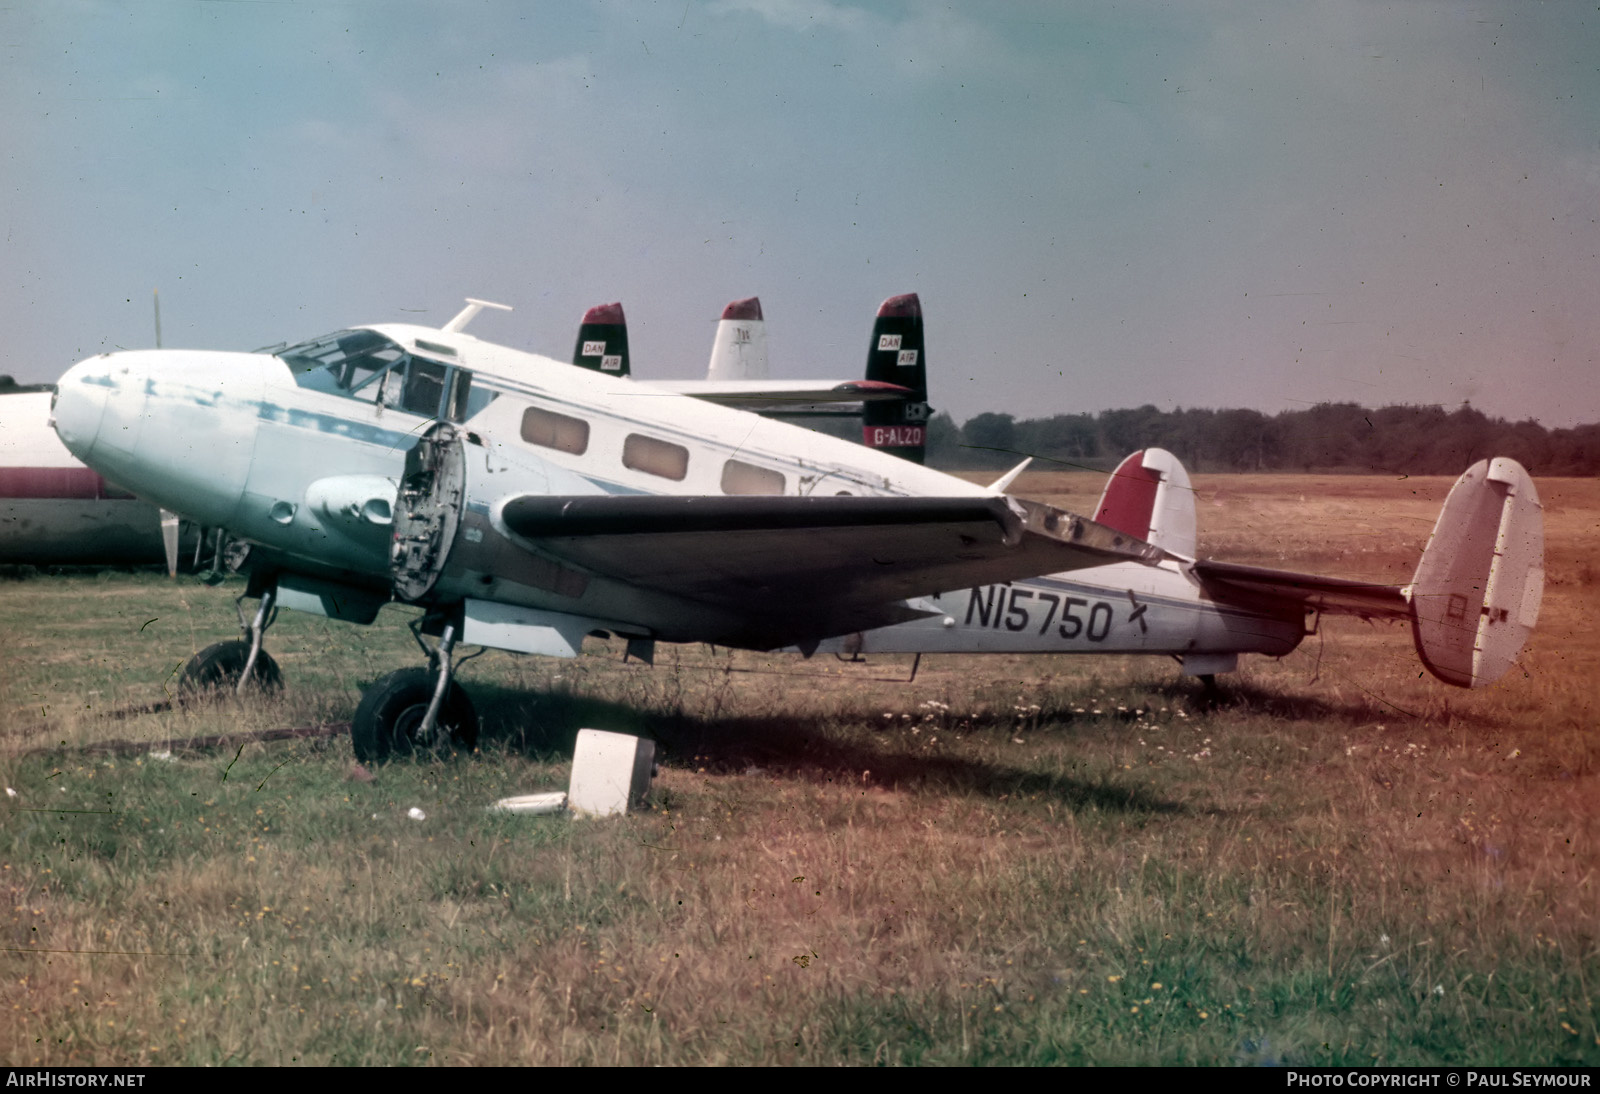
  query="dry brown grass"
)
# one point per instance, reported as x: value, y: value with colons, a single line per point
x: 1341, y: 863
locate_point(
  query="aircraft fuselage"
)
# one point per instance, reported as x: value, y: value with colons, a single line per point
x: 1122, y: 608
x: 56, y: 511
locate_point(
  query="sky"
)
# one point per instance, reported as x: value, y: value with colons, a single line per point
x: 1194, y: 204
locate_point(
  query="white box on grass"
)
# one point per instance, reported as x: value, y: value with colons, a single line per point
x: 610, y: 772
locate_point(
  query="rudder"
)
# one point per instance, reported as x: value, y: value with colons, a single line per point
x: 603, y: 341
x: 740, y: 349
x: 1149, y: 497
x: 900, y: 426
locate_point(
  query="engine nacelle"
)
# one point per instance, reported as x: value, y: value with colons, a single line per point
x: 445, y: 545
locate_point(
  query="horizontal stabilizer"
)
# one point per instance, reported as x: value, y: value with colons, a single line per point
x: 783, y: 396
x: 1476, y: 594
x: 1263, y: 589
x: 1474, y: 599
x: 738, y: 377
x: 1003, y: 483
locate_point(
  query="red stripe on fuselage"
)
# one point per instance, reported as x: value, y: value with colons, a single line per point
x: 61, y: 483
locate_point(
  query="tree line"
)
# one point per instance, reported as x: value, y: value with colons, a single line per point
x: 1402, y: 440
x: 1399, y: 440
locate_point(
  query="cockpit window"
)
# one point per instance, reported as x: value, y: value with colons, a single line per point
x: 349, y: 362
x: 339, y: 351
x: 363, y: 364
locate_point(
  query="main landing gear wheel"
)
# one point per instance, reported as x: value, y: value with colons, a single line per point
x: 220, y: 666
x: 393, y: 709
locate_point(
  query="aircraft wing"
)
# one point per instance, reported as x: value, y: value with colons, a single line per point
x: 779, y: 394
x: 801, y: 568
x: 1258, y: 587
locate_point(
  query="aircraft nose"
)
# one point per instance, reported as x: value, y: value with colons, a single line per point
x: 79, y: 404
x: 99, y: 411
x: 175, y: 427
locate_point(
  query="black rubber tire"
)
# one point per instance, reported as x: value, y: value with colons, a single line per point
x: 218, y: 667
x: 393, y: 707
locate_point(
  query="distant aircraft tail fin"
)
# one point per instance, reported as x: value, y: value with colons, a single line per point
x: 900, y: 426
x: 740, y: 349
x: 1149, y: 497
x: 603, y: 341
x: 1476, y: 594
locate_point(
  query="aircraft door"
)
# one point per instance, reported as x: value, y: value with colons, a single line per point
x: 428, y: 511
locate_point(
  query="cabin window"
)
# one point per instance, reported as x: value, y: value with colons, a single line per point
x: 470, y: 400
x: 653, y: 457
x: 746, y: 478
x: 424, y: 388
x: 547, y: 429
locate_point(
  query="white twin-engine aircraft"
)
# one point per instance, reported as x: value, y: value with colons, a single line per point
x: 524, y: 503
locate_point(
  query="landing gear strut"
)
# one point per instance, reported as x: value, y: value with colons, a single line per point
x: 241, y: 663
x: 417, y: 711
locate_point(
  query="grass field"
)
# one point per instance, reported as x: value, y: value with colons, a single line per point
x: 1008, y: 860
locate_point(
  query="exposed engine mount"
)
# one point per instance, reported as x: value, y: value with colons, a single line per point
x: 428, y: 511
